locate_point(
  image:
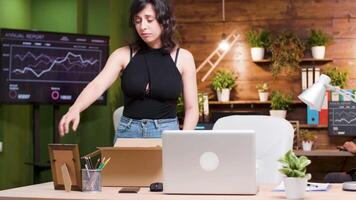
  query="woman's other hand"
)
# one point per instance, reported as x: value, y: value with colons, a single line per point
x: 71, y: 117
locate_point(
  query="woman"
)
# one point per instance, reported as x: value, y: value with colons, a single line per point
x: 154, y: 72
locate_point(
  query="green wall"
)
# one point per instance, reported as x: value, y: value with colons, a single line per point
x: 99, y: 17
x: 15, y: 120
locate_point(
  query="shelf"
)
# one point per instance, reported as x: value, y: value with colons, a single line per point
x: 323, y: 152
x: 239, y: 102
x: 303, y: 60
x: 310, y: 126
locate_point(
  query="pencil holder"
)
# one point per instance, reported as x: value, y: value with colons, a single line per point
x: 91, y: 180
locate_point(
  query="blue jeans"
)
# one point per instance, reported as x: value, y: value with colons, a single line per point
x: 144, y: 128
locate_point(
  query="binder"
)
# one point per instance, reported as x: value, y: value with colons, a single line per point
x: 335, y: 96
x: 304, y: 79
x: 323, y: 113
x: 312, y: 116
x: 347, y: 98
x: 310, y: 76
x: 316, y: 74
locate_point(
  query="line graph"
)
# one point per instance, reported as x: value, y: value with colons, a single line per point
x: 342, y: 118
x: 56, y: 64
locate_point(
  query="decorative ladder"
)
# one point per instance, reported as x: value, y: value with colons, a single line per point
x: 231, y: 39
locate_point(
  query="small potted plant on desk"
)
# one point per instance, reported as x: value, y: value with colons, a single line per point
x: 317, y: 41
x: 308, y: 138
x: 263, y: 91
x: 258, y: 41
x: 294, y: 169
x: 279, y: 104
x: 223, y: 82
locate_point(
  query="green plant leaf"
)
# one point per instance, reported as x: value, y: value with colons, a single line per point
x: 287, y: 52
x: 338, y: 77
x: 293, y: 166
x: 258, y: 38
x: 280, y: 101
x: 318, y: 38
x: 224, y: 79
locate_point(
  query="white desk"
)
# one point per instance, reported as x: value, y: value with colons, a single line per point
x: 45, y: 191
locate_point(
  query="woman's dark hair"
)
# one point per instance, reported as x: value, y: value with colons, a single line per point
x: 164, y: 16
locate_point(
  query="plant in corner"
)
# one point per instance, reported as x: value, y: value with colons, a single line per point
x: 294, y: 169
x: 258, y: 41
x: 287, y: 51
x: 338, y: 77
x: 308, y: 138
x: 263, y: 91
x: 317, y: 40
x: 279, y: 104
x: 223, y: 82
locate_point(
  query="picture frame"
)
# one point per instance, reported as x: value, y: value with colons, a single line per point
x: 65, y: 156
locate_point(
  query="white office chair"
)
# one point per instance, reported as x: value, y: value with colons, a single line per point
x: 274, y: 137
x: 117, y: 116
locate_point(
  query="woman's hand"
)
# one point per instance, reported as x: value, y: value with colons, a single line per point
x: 72, y: 116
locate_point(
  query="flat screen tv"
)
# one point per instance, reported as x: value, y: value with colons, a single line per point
x: 342, y: 118
x: 49, y: 68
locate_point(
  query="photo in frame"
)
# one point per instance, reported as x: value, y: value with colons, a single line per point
x: 65, y: 166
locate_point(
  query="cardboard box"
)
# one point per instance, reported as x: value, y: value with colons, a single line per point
x: 134, y: 162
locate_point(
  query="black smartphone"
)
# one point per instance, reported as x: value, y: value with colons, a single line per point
x: 129, y: 189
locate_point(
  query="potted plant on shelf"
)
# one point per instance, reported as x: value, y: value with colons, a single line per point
x: 308, y: 138
x: 279, y: 104
x: 287, y: 51
x: 263, y: 91
x: 294, y: 169
x: 338, y: 77
x: 258, y: 41
x: 223, y: 82
x: 317, y: 40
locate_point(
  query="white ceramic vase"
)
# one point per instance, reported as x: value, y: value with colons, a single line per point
x: 278, y: 113
x: 223, y: 94
x: 318, y: 52
x: 307, y: 145
x: 257, y: 53
x: 295, y: 187
x: 263, y: 96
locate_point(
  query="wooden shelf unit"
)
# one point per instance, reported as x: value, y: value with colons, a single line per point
x: 323, y: 152
x: 304, y: 60
x: 237, y: 102
x: 310, y: 126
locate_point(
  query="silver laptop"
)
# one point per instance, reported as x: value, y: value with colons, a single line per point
x: 209, y: 162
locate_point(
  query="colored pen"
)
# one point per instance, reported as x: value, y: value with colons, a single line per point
x: 106, y: 162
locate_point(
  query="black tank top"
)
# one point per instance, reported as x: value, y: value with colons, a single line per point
x: 157, y: 69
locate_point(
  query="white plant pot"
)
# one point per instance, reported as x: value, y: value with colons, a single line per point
x: 223, y: 95
x: 295, y: 187
x: 263, y: 96
x: 318, y: 52
x: 257, y: 53
x: 278, y: 113
x: 307, y: 145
